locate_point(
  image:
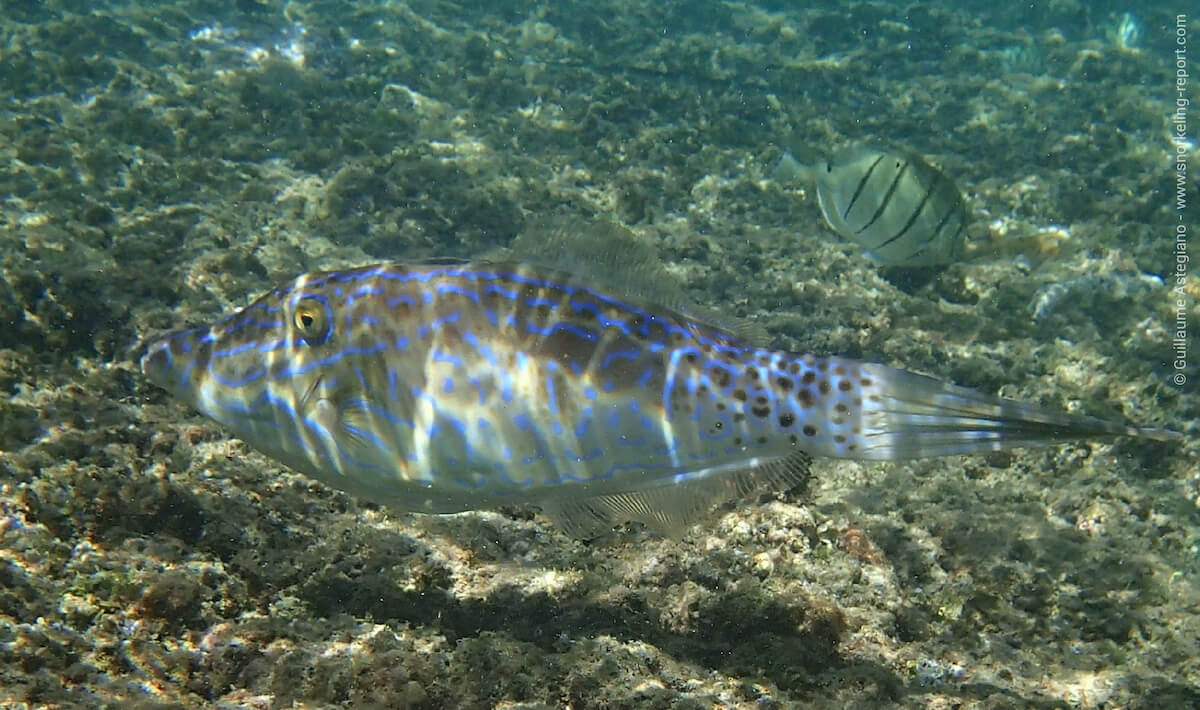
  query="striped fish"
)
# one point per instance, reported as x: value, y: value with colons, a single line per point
x: 444, y: 387
x: 900, y: 208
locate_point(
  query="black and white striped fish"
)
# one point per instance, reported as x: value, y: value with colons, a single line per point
x: 891, y: 201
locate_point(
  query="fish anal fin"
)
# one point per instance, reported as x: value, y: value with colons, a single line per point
x: 672, y: 508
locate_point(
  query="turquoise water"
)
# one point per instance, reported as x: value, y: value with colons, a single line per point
x: 163, y: 163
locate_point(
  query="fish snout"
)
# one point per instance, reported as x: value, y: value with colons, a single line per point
x: 170, y: 357
x: 158, y: 361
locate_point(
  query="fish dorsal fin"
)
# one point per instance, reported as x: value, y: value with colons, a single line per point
x: 670, y: 509
x: 441, y: 261
x: 609, y: 256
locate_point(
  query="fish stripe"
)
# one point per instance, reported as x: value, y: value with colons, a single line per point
x: 862, y: 183
x: 943, y: 223
x: 887, y: 198
x: 911, y: 220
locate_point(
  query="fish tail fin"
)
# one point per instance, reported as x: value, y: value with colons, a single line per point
x: 913, y: 416
x: 789, y: 170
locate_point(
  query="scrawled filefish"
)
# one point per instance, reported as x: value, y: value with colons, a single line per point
x: 900, y: 208
x: 443, y: 387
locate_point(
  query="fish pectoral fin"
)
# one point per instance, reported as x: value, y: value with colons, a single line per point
x: 673, y: 507
x: 356, y: 430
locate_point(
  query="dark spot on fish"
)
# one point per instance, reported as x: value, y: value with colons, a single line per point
x: 762, y: 440
x: 840, y: 438
x: 452, y: 337
x: 822, y: 366
x: 844, y: 385
x: 794, y: 368
x: 737, y: 441
x: 569, y: 345
x: 753, y: 374
x: 786, y: 420
x: 809, y: 430
x: 865, y: 382
x: 739, y: 394
x: 841, y: 407
x: 824, y: 387
x: 760, y: 412
x: 739, y: 417
x: 839, y: 370
x: 852, y: 447
x: 805, y: 398
x: 720, y: 406
x: 784, y: 383
x: 722, y: 377
x: 809, y: 377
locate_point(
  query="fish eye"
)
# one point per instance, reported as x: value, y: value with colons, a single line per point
x: 310, y: 318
